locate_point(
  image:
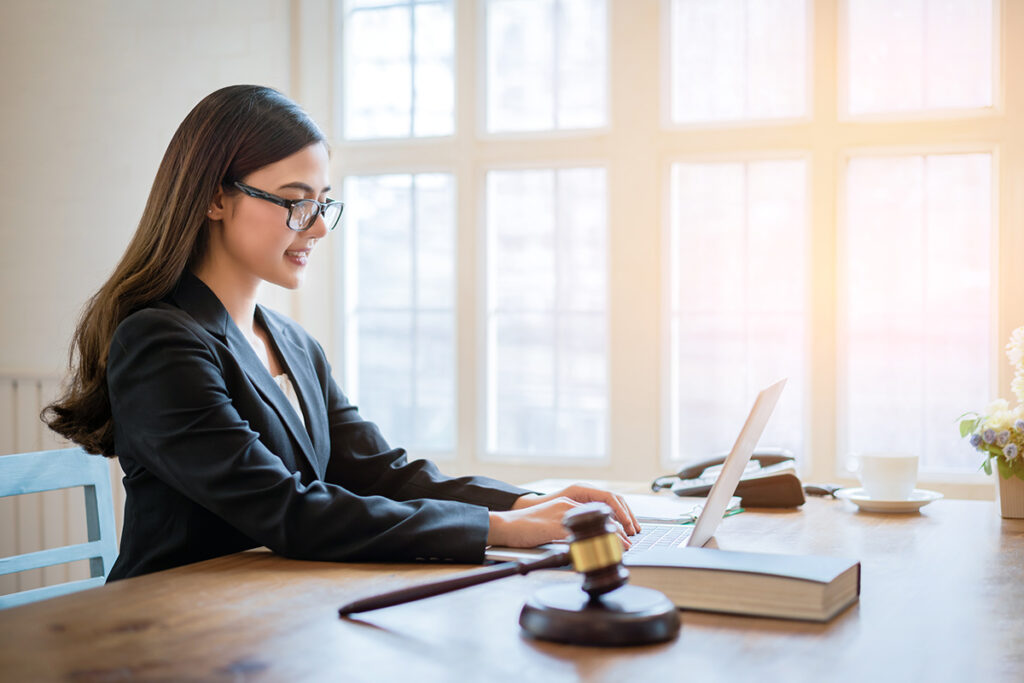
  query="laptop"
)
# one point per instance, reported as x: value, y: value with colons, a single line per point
x: 677, y: 535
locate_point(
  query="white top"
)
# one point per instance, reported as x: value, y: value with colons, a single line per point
x: 286, y: 386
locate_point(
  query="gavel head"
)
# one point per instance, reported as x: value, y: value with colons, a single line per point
x: 595, y: 548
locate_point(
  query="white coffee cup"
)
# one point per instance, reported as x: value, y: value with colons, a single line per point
x: 887, y: 475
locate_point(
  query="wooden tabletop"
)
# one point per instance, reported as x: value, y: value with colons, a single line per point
x: 942, y: 599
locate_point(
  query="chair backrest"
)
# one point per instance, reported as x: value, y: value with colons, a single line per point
x: 48, y: 470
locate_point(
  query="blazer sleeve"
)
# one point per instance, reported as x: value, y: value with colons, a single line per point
x: 173, y: 412
x: 363, y: 462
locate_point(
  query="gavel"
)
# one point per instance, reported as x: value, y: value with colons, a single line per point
x: 629, y: 615
x: 594, y: 551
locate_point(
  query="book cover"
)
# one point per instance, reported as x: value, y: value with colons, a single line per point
x: 808, y: 587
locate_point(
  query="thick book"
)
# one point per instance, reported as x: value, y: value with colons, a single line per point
x: 807, y: 587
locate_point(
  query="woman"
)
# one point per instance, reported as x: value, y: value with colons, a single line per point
x: 223, y: 414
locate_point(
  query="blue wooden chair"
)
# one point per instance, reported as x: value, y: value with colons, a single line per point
x: 48, y: 470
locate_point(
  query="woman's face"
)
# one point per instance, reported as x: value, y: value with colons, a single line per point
x: 249, y: 237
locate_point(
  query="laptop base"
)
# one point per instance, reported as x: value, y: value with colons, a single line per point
x: 629, y: 615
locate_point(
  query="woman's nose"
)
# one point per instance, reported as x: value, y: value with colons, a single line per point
x: 319, y: 227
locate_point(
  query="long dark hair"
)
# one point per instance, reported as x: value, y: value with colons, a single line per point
x: 228, y: 135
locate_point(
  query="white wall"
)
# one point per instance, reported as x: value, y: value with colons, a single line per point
x: 92, y: 92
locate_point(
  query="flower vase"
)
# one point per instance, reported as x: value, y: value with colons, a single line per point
x: 1011, y: 497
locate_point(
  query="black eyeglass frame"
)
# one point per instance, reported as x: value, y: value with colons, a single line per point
x: 290, y: 204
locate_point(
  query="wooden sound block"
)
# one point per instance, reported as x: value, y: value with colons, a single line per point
x: 629, y: 615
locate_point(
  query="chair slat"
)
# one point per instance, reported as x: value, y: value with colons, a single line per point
x: 50, y: 556
x: 25, y: 597
x: 46, y: 471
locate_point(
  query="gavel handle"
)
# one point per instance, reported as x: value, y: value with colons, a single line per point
x: 464, y: 580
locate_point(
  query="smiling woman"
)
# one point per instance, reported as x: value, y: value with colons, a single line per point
x: 223, y: 414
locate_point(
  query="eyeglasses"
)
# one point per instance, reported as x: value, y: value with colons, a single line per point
x: 302, y: 213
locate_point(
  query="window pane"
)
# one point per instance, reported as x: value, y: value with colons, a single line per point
x: 547, y: 313
x: 400, y: 319
x: 738, y: 301
x: 919, y: 54
x: 581, y: 60
x: 546, y: 64
x: 434, y: 68
x: 738, y: 59
x: 917, y: 304
x: 399, y: 69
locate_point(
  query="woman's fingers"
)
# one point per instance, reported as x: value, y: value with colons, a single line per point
x: 620, y: 509
x: 577, y: 494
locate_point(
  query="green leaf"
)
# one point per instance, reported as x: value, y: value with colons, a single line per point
x: 969, y: 426
x: 1019, y: 471
x: 987, y: 466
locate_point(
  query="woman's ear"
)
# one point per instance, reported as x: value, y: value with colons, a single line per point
x: 215, y: 211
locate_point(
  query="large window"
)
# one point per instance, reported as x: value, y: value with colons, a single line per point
x: 664, y: 206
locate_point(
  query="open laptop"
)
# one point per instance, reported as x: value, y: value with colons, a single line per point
x: 676, y: 535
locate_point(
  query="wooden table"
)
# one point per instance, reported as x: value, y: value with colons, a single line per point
x: 942, y: 600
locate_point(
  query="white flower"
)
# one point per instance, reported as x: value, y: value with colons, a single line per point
x: 997, y: 406
x: 1017, y: 385
x: 1015, y: 352
x: 1000, y: 420
x: 1015, y: 349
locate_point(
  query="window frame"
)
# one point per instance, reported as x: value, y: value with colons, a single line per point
x: 342, y: 301
x: 482, y: 336
x: 996, y: 110
x: 666, y: 73
x: 480, y: 84
x: 637, y: 148
x: 843, y: 464
x: 338, y: 117
x: 734, y: 157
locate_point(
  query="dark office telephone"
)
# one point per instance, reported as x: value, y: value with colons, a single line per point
x: 769, y: 479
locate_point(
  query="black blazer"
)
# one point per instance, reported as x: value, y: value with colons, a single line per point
x: 216, y: 460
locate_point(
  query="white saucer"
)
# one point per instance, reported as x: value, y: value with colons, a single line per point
x: 918, y: 499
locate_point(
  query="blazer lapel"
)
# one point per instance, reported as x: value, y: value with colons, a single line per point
x: 202, y: 304
x: 304, y: 379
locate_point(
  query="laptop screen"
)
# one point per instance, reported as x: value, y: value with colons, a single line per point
x: 729, y: 478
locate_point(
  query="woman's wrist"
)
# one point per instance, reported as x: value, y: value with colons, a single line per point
x: 495, y: 528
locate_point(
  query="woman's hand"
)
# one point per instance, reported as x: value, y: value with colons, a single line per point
x: 535, y: 519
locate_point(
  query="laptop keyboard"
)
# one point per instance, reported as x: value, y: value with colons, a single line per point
x: 660, y: 536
